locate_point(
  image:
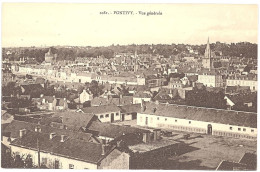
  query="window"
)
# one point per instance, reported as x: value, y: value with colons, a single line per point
x: 101, y: 116
x: 117, y: 114
x: 158, y: 118
x: 189, y: 122
x: 44, y: 161
x: 175, y: 120
x: 107, y: 115
x: 71, y: 166
x: 230, y: 128
x: 165, y: 119
x: 239, y: 129
x: 244, y: 129
x: 252, y: 130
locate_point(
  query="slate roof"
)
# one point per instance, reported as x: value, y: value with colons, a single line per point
x: 130, y: 108
x: 101, y: 109
x: 125, y: 100
x: 229, y: 166
x: 244, y: 98
x: 14, y: 127
x: 111, y: 130
x: 71, y: 148
x: 28, y: 88
x: 76, y: 119
x: 237, y: 118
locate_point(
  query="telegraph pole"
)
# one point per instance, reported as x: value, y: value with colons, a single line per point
x: 38, y: 149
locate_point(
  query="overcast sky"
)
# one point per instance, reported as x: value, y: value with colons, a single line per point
x: 38, y: 24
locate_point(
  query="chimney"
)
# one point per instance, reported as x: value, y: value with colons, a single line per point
x: 104, y: 148
x: 52, y: 135
x: 22, y: 132
x: 38, y: 129
x: 63, y: 138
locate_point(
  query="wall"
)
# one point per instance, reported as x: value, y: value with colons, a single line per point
x: 194, y: 126
x: 108, y: 119
x: 64, y: 162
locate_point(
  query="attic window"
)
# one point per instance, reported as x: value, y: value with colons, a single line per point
x: 165, y: 119
x: 230, y: 128
x: 252, y: 130
x: 117, y: 114
x: 107, y: 115
x: 101, y: 116
x: 239, y: 129
x: 189, y: 122
x: 175, y: 120
x: 244, y: 129
x: 158, y: 118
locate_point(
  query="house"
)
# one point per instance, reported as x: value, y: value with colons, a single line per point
x: 70, y: 119
x: 105, y: 113
x: 129, y: 112
x: 198, y: 119
x: 57, y: 151
x: 232, y: 90
x: 51, y: 103
x: 108, y: 100
x: 210, y: 78
x: 61, y: 104
x: 6, y: 117
x: 243, y: 80
x: 47, y: 103
x: 30, y: 90
x: 246, y: 99
x: 85, y: 96
x: 142, y: 96
x: 132, y: 148
x: 12, y: 131
x: 176, y: 83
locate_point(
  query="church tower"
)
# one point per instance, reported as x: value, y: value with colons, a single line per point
x: 206, y: 61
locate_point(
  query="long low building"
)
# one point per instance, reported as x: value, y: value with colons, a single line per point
x: 199, y: 119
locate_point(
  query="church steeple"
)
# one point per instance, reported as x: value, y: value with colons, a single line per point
x: 206, y: 61
x: 207, y: 50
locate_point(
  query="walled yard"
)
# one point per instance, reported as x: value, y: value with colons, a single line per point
x: 201, y: 151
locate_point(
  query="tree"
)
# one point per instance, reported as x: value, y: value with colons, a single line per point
x: 95, y: 88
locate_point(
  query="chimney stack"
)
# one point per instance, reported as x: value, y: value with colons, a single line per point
x: 38, y: 129
x: 22, y: 133
x: 104, y: 148
x: 52, y: 135
x: 63, y: 138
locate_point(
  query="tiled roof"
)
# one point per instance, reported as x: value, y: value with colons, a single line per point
x: 237, y: 118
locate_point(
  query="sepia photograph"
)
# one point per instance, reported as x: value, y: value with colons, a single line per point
x: 148, y: 86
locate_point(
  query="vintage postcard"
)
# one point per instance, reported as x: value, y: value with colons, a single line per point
x: 129, y: 86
